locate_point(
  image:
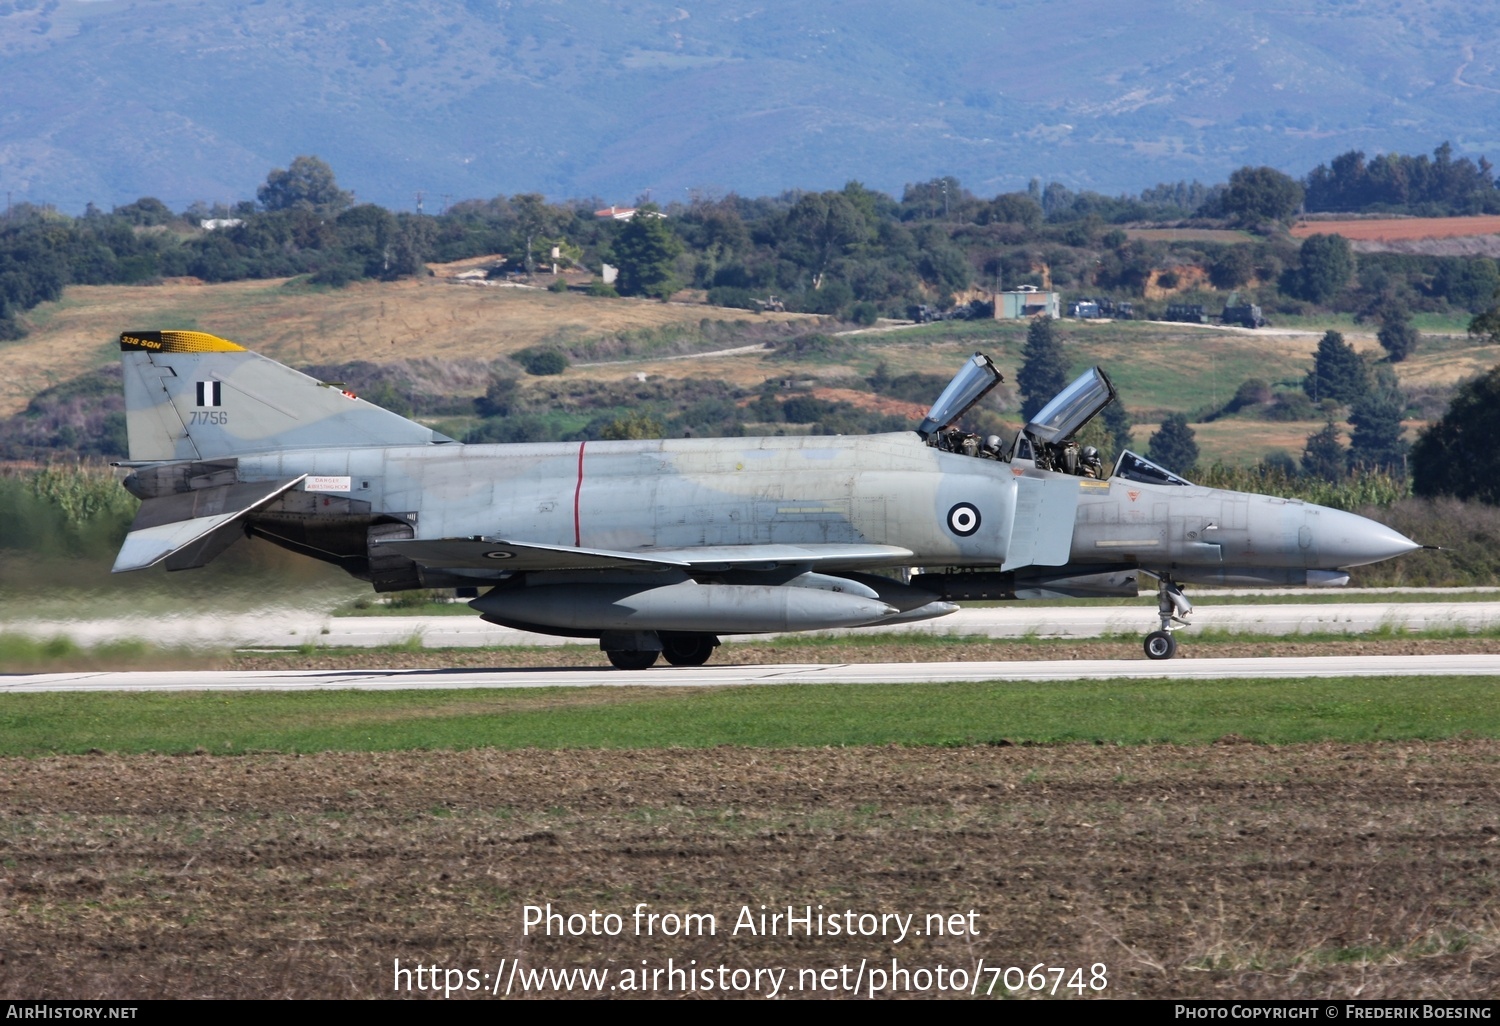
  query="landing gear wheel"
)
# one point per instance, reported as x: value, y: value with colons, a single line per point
x: 1160, y: 645
x: 631, y: 660
x: 688, y: 649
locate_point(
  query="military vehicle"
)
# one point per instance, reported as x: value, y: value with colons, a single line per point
x: 1188, y: 313
x: 658, y: 547
x: 1246, y: 315
x: 1086, y: 308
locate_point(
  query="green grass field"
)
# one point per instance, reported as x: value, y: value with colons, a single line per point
x: 998, y: 712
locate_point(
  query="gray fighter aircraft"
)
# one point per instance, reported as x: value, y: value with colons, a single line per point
x: 658, y: 547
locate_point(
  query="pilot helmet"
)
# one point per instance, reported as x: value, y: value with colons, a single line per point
x: 1090, y: 453
x: 992, y: 442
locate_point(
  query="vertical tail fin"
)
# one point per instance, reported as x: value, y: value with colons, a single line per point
x: 194, y: 396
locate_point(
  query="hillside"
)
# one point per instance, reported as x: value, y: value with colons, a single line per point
x: 379, y: 322
x: 458, y: 333
x: 614, y: 98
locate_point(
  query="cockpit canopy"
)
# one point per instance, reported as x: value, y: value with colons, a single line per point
x: 971, y: 384
x: 1072, y: 408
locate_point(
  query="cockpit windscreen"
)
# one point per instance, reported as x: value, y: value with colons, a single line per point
x: 1137, y: 468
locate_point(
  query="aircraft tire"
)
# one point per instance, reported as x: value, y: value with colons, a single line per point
x: 687, y: 649
x: 1160, y: 645
x: 632, y: 660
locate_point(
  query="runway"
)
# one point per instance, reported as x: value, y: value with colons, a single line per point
x: 724, y: 676
x: 282, y: 628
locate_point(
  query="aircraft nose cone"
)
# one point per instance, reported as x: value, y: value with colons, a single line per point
x: 1346, y: 539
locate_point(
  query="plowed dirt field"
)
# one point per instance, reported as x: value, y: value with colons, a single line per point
x: 1227, y: 870
x: 1400, y: 229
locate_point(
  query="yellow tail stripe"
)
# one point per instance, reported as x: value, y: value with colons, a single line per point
x: 177, y: 342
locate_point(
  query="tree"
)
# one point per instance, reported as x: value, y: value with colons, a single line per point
x: 533, y: 219
x: 1117, y: 419
x: 821, y: 229
x: 1258, y: 194
x: 1324, y: 456
x: 1377, y: 442
x: 1044, y: 368
x: 633, y: 425
x: 646, y: 253
x: 1467, y: 283
x: 307, y: 185
x: 1397, y: 337
x: 1338, y: 372
x: 1324, y: 266
x: 1459, y: 454
x: 1234, y: 267
x: 148, y: 210
x: 1486, y: 326
x: 1013, y: 208
x: 541, y: 361
x: 500, y: 399
x: 1173, y: 446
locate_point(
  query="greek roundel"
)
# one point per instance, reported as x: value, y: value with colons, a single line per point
x: 963, y: 519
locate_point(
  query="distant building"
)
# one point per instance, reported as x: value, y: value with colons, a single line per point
x: 1027, y: 302
x: 220, y: 222
x: 623, y: 213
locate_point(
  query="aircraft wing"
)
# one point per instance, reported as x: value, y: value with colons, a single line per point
x: 497, y: 555
x: 190, y: 528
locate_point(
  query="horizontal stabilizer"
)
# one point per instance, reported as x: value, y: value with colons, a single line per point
x: 170, y: 524
x: 497, y: 555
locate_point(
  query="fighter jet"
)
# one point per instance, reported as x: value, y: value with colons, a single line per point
x: 658, y: 547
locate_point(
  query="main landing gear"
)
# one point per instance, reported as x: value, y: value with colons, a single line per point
x: 632, y: 660
x: 684, y: 649
x: 1173, y: 607
x: 637, y: 650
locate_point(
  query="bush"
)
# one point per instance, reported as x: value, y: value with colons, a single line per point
x: 542, y: 362
x: 598, y: 287
x: 558, y: 285
x: 732, y: 296
x: 1291, y: 406
x: 814, y: 345
x: 1252, y: 392
x: 1398, y: 338
x: 337, y: 275
x: 864, y: 313
x: 1467, y: 536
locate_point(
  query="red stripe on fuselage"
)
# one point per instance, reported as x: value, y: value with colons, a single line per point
x: 577, y: 493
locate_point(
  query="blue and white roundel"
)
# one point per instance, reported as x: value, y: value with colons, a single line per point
x: 963, y: 519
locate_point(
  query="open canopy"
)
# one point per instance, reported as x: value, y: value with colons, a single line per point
x: 1072, y: 408
x: 971, y: 384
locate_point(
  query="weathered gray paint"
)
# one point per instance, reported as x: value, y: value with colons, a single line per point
x: 733, y: 534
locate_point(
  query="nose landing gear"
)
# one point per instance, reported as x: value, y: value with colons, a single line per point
x: 1173, y: 607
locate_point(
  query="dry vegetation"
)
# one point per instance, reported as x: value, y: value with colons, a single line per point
x: 1233, y: 870
x: 373, y: 321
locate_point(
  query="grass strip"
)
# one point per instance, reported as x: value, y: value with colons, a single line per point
x: 767, y: 716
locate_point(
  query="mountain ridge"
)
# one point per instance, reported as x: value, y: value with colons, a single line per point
x: 113, y: 99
